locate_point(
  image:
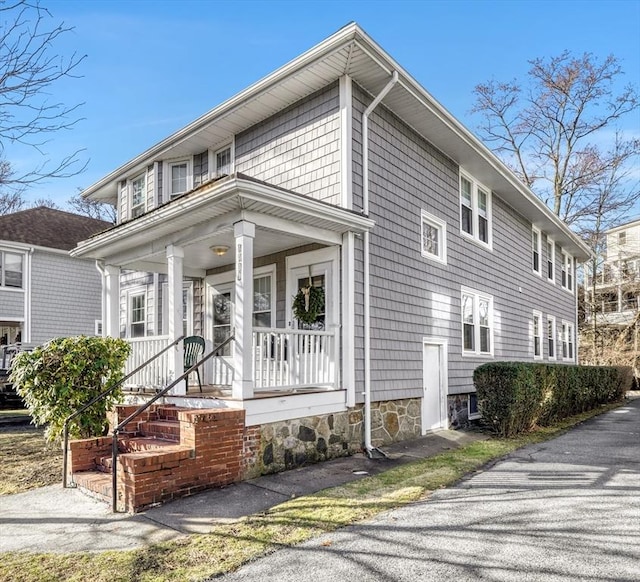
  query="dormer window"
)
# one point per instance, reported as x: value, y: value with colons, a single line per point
x: 223, y: 162
x: 138, y: 195
x: 179, y: 175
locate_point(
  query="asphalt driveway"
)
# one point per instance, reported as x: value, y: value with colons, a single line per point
x: 563, y: 510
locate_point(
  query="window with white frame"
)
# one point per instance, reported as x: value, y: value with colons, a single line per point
x: 475, y: 210
x: 138, y: 195
x: 434, y: 237
x: 551, y: 260
x: 567, y: 340
x: 263, y: 301
x: 179, y: 177
x: 537, y: 335
x: 11, y: 269
x: 551, y: 336
x: 622, y: 238
x: 477, y: 323
x: 567, y: 270
x: 222, y: 161
x: 137, y: 314
x: 536, y: 249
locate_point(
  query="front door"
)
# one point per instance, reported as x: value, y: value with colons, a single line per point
x: 433, y: 386
x: 317, y: 269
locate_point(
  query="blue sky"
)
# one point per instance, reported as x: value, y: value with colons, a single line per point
x: 154, y: 66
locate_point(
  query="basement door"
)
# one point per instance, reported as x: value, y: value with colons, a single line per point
x: 434, y: 384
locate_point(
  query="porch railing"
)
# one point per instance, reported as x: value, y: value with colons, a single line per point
x: 282, y: 359
x: 288, y: 358
x: 142, y: 349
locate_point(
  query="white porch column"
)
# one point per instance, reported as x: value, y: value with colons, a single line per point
x: 175, y: 257
x: 111, y: 296
x: 243, y: 320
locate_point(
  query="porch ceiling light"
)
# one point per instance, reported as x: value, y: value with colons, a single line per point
x: 220, y: 250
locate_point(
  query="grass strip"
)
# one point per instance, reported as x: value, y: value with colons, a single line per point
x: 227, y: 547
x: 27, y: 461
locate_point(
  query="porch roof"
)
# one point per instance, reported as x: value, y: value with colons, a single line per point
x: 204, y: 217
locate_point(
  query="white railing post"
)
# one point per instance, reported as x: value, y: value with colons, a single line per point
x: 243, y: 379
x: 175, y: 256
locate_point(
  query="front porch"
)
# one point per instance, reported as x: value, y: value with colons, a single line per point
x: 227, y: 260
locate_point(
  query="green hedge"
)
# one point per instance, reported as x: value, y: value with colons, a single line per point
x: 514, y: 397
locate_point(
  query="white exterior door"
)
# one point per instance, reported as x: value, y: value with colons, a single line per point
x: 433, y: 385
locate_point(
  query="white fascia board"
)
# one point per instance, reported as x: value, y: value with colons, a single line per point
x: 8, y: 245
x: 135, y: 231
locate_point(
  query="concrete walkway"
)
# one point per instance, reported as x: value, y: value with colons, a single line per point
x: 53, y: 519
x: 560, y: 511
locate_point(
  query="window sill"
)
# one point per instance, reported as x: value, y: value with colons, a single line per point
x: 484, y: 356
x: 487, y: 246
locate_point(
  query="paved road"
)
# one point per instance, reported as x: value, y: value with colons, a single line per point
x: 564, y: 510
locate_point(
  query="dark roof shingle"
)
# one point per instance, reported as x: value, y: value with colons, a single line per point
x: 47, y: 227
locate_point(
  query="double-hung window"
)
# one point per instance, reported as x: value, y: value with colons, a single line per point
x: 551, y: 336
x: 222, y: 162
x: 263, y: 300
x: 536, y: 248
x: 551, y: 260
x: 475, y: 210
x: 567, y: 341
x: 567, y: 271
x: 138, y: 195
x: 137, y: 314
x: 433, y: 237
x: 179, y: 174
x: 477, y: 323
x: 537, y: 335
x: 11, y: 268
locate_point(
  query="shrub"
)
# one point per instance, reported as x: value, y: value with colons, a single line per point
x: 58, y: 378
x: 514, y: 397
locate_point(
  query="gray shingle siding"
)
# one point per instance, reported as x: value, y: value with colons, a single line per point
x: 297, y: 149
x: 66, y: 296
x: 413, y: 297
x: 11, y: 304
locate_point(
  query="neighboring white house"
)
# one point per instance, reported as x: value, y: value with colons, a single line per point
x: 45, y: 293
x: 617, y: 282
x: 341, y: 172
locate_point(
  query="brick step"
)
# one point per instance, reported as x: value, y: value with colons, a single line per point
x: 162, y: 429
x: 95, y: 483
x: 144, y: 443
x: 168, y: 411
x: 136, y: 445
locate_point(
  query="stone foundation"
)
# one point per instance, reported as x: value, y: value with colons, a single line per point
x: 275, y: 447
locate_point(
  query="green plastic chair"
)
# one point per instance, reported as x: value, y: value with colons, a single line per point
x: 193, y: 351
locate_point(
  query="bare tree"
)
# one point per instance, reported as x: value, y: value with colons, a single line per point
x: 551, y: 133
x: 11, y: 202
x: 548, y: 131
x: 29, y: 67
x: 92, y: 208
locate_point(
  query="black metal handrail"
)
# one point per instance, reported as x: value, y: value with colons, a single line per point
x: 100, y: 396
x: 141, y: 409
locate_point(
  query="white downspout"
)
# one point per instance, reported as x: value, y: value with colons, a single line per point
x: 26, y: 331
x: 103, y: 306
x: 367, y: 300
